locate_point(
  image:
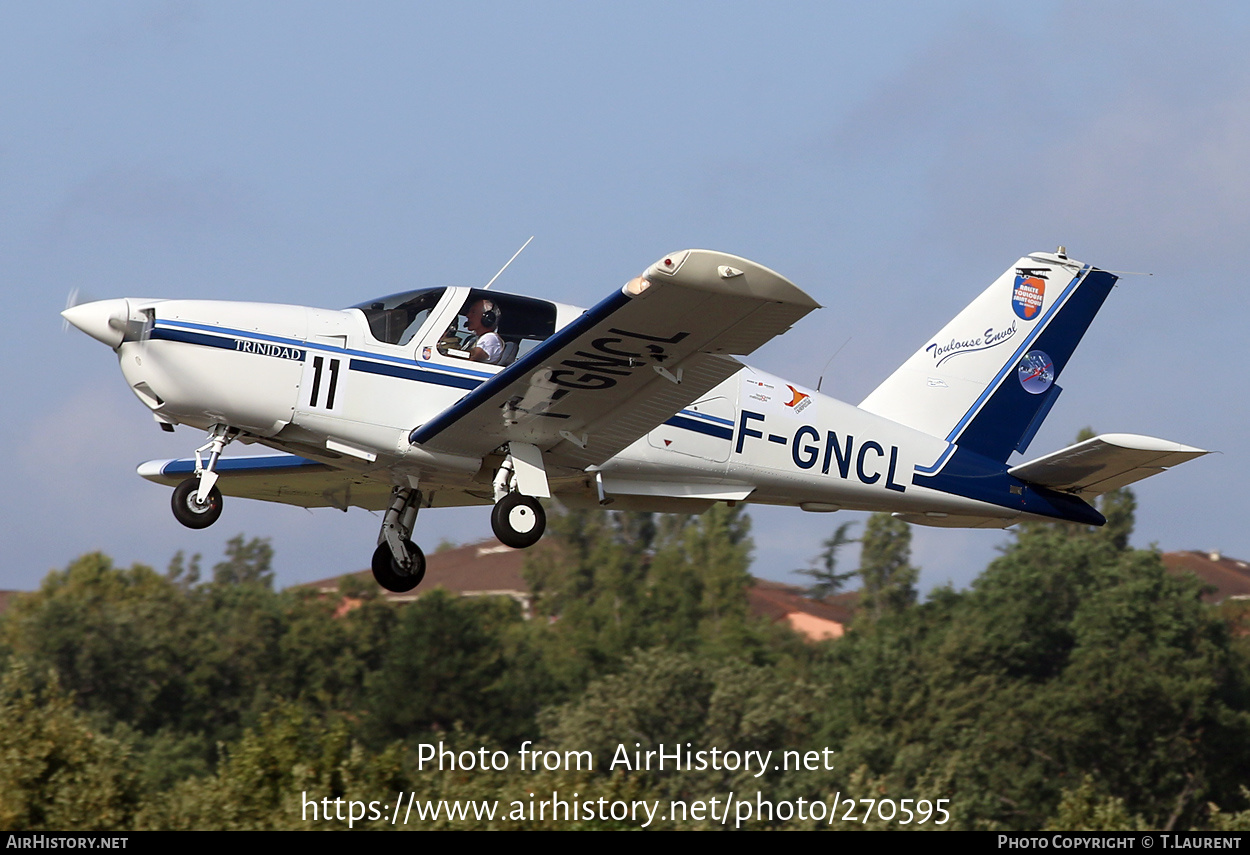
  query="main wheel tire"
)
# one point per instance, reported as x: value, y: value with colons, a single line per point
x: 518, y: 521
x: 387, y: 573
x: 188, y: 511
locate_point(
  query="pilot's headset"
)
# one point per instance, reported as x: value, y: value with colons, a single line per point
x: 490, y: 315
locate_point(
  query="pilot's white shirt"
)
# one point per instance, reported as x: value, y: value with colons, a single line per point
x: 492, y: 344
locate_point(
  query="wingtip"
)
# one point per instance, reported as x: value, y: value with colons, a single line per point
x: 152, y: 470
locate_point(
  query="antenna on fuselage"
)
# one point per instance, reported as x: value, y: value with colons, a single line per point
x: 505, y: 267
x: 821, y: 379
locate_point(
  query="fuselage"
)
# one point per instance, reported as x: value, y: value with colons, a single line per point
x: 347, y: 387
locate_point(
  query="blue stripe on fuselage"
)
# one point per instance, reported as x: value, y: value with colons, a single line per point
x: 224, y: 337
x: 680, y: 421
x: 419, y: 374
x: 404, y: 369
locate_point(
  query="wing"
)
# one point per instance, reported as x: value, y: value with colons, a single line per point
x: 305, y: 483
x: 1105, y: 463
x: 626, y: 365
x: 282, y: 478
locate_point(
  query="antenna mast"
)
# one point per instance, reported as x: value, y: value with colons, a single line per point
x: 505, y: 267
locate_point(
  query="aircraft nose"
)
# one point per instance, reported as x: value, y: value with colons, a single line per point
x: 103, y: 320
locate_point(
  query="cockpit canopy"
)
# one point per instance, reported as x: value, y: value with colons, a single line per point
x: 523, y: 322
x: 397, y: 318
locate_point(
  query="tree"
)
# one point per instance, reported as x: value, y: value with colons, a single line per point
x: 57, y: 772
x: 121, y: 641
x: 247, y: 562
x: 589, y: 581
x: 1069, y: 665
x: 889, y: 579
x: 447, y: 664
x: 828, y: 580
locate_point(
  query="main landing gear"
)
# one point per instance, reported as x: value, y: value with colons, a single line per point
x: 197, y: 501
x: 517, y: 520
x: 398, y: 563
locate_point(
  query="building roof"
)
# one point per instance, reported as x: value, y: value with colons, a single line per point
x: 1229, y: 577
x: 476, y: 569
x: 816, y: 619
x: 491, y: 569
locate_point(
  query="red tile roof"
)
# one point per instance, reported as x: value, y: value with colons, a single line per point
x: 1229, y: 576
x: 490, y: 568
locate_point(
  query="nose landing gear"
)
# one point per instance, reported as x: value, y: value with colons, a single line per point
x: 189, y: 510
x: 196, y: 501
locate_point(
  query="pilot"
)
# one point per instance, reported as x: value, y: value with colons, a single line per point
x: 482, y: 321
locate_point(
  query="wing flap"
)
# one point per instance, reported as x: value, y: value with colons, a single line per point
x: 628, y: 364
x: 1105, y: 463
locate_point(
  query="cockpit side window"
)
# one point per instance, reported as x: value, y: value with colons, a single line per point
x: 497, y: 328
x: 397, y: 319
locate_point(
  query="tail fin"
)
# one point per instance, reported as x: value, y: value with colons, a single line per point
x: 987, y: 380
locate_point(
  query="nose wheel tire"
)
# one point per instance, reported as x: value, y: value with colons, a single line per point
x: 388, y: 574
x: 518, y: 521
x: 188, y: 510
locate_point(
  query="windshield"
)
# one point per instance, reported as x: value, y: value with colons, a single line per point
x: 397, y: 318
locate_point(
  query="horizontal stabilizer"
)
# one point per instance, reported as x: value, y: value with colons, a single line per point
x: 1104, y: 463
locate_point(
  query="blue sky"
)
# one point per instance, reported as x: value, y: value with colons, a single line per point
x: 890, y: 158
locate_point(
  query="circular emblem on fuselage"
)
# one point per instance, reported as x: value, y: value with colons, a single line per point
x: 1026, y: 297
x: 425, y: 353
x: 1036, y: 372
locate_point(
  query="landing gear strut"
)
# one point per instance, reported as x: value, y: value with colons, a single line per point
x: 197, y: 501
x: 398, y: 563
x: 517, y: 520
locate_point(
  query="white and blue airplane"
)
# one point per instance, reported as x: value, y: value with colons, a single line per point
x: 462, y: 396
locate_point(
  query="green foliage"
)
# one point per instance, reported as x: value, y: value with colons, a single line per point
x: 120, y: 641
x: 699, y: 579
x: 448, y: 664
x: 57, y: 772
x: 889, y: 580
x: 1086, y: 809
x: 828, y: 580
x: 1076, y: 685
x: 264, y: 779
x: 247, y: 563
x: 613, y: 583
x: 1069, y: 658
x: 1222, y: 821
x: 667, y: 698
